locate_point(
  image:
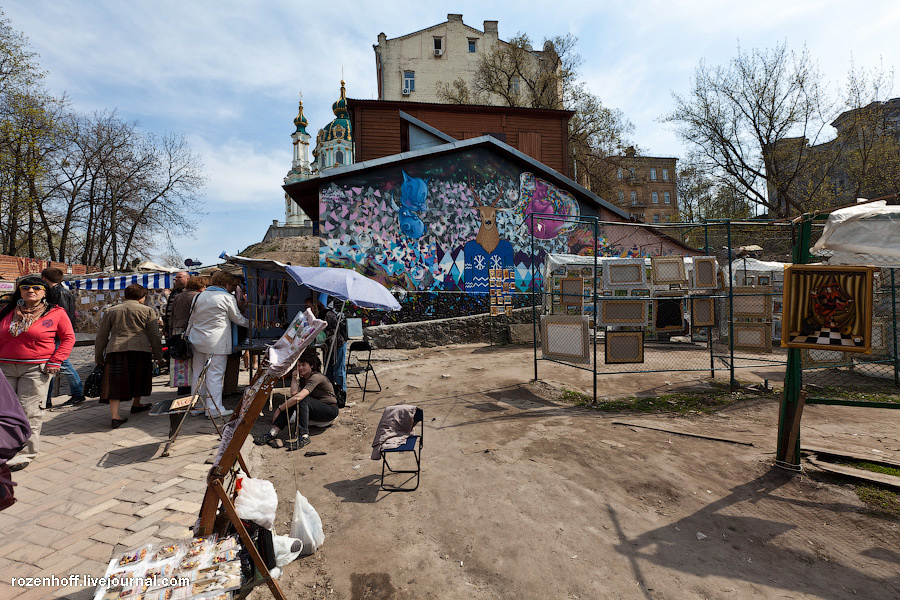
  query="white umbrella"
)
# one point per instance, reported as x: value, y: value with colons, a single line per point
x: 345, y: 284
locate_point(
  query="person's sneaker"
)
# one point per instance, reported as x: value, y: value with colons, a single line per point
x: 262, y: 440
x: 73, y: 401
x: 198, y: 413
x: 297, y: 444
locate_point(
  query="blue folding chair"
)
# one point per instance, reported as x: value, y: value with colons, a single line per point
x: 412, y: 444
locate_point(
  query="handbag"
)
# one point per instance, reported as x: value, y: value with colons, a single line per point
x: 180, y: 347
x: 93, y: 382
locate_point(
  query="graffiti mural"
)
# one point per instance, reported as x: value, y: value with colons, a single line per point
x: 443, y: 223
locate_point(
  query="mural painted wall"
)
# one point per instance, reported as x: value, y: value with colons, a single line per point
x: 456, y: 223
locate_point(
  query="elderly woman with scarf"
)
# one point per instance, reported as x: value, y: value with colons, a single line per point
x: 29, y: 356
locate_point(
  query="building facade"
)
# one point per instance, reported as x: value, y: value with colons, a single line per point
x: 409, y: 67
x: 646, y: 187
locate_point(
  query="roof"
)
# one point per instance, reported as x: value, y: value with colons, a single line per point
x: 306, y: 193
x: 430, y: 27
x: 476, y: 108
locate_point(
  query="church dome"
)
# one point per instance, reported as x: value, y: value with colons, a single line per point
x: 339, y: 128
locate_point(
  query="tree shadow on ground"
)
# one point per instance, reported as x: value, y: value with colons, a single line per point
x: 129, y: 456
x: 752, y: 541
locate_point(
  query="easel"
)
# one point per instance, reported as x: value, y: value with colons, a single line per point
x: 216, y: 492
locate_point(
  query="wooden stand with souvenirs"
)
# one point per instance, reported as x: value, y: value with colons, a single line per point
x: 220, y: 492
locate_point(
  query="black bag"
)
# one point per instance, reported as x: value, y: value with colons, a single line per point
x: 93, y: 382
x: 341, y: 395
x: 180, y: 347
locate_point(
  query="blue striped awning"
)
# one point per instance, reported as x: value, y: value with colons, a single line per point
x: 151, y: 281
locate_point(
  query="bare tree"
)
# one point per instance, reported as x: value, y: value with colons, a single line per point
x: 756, y: 124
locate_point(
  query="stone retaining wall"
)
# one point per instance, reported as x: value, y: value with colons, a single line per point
x: 442, y: 332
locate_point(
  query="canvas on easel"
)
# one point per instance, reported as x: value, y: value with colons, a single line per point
x: 827, y: 307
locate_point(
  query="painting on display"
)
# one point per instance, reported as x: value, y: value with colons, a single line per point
x: 704, y: 273
x: 752, y: 337
x: 624, y: 273
x: 624, y: 312
x: 827, y: 307
x: 624, y: 347
x: 668, y: 313
x: 703, y: 312
x: 668, y: 270
x: 752, y: 302
x: 565, y: 338
x: 571, y: 290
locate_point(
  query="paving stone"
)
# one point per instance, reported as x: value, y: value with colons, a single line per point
x: 97, y: 551
x: 174, y: 532
x: 57, y: 521
x: 107, y: 535
x: 142, y: 524
x: 88, y: 486
x: 156, y: 506
x: 98, y: 508
x: 131, y: 495
x: 8, y: 548
x: 185, y: 506
x: 125, y: 508
x: 165, y: 484
x: 180, y: 518
x: 139, y: 538
x: 31, y: 553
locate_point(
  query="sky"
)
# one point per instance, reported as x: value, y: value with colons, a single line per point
x: 227, y: 75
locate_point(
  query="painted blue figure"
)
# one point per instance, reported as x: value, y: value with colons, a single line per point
x: 479, y: 261
x: 413, y: 192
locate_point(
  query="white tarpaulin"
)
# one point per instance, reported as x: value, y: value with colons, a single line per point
x: 864, y: 234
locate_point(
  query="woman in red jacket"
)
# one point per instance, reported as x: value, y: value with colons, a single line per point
x: 29, y: 357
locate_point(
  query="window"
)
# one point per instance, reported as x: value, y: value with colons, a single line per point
x: 473, y: 47
x: 652, y: 174
x: 656, y: 218
x: 514, y: 85
x: 409, y: 80
x: 438, y: 45
x: 633, y: 198
x: 619, y: 173
x: 338, y: 158
x: 631, y: 170
x: 665, y: 174
x: 621, y: 195
x: 667, y: 198
x: 655, y: 198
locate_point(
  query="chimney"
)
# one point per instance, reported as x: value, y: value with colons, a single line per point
x: 452, y: 18
x: 491, y: 27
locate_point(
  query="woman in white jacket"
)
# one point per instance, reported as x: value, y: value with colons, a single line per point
x: 212, y: 332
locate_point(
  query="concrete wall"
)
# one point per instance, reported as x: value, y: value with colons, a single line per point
x: 441, y: 332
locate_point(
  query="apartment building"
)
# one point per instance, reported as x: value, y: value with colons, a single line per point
x: 409, y: 67
x: 645, y: 186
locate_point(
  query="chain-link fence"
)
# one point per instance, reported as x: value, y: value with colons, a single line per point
x: 642, y: 299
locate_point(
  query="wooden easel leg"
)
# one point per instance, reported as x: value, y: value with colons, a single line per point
x: 245, y: 538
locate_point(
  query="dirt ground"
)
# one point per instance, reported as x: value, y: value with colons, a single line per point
x: 524, y: 495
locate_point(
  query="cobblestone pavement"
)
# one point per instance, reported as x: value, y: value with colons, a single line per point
x: 93, y: 491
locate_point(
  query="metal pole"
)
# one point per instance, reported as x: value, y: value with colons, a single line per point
x: 709, y: 346
x: 894, y: 314
x: 534, y: 325
x: 596, y: 246
x: 732, y: 383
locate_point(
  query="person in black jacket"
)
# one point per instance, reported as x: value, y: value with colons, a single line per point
x: 58, y: 294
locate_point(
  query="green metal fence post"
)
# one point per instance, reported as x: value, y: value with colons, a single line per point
x: 732, y: 382
x: 894, y: 315
x: 534, y: 325
x: 793, y: 373
x: 596, y: 249
x: 709, y: 344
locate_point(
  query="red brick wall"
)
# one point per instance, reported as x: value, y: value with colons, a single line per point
x: 13, y: 267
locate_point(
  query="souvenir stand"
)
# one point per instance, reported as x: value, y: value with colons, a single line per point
x: 96, y: 292
x: 273, y: 298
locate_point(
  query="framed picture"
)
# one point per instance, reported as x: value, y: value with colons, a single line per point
x: 704, y: 273
x: 571, y: 290
x: 668, y: 313
x: 642, y: 293
x: 699, y: 334
x: 753, y: 337
x: 668, y: 270
x: 827, y: 307
x: 752, y: 302
x: 749, y: 280
x: 624, y: 312
x: 624, y: 347
x: 703, y: 312
x: 565, y: 338
x: 624, y: 272
x: 824, y: 358
x: 763, y: 280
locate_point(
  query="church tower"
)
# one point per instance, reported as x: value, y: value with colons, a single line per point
x: 300, y: 169
x: 334, y: 144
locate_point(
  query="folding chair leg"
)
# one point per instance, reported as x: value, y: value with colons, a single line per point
x: 417, y: 471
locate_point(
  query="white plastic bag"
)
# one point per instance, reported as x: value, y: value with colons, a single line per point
x: 287, y: 549
x: 256, y: 501
x: 307, y: 526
